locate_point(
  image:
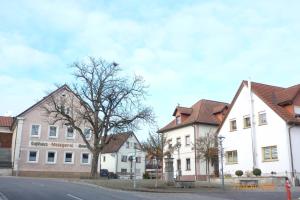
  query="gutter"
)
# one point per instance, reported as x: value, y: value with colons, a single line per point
x: 196, y: 175
x: 291, y: 150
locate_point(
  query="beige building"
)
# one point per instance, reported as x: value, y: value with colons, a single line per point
x: 40, y: 148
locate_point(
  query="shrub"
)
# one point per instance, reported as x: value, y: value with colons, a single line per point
x: 239, y: 173
x: 146, y: 175
x: 257, y: 172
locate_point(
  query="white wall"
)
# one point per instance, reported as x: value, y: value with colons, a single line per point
x: 295, y: 140
x: 110, y: 162
x: 185, y: 151
x: 274, y: 133
x: 140, y: 167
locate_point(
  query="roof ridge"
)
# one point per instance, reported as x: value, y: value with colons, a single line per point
x: 245, y: 81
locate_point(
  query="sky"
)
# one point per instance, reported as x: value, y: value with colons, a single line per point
x: 185, y: 50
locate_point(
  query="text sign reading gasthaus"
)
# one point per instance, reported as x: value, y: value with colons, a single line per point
x: 56, y: 144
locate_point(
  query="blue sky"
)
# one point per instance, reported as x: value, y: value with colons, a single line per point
x: 185, y: 50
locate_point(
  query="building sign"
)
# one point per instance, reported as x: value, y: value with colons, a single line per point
x: 57, y: 145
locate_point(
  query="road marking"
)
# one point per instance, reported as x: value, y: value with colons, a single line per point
x: 69, y: 195
x: 2, y: 196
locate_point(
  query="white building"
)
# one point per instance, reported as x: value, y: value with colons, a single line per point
x: 123, y: 156
x: 188, y: 125
x: 263, y: 134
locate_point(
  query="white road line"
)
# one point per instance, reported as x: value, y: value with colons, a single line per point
x: 2, y: 196
x: 69, y: 195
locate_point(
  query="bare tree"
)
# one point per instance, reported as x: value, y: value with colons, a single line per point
x: 102, y: 99
x: 206, y: 150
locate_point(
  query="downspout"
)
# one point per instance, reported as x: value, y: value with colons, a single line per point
x: 253, y: 134
x: 196, y: 174
x: 291, y: 151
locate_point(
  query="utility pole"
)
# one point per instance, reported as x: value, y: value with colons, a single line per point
x: 221, y: 138
x: 134, y: 176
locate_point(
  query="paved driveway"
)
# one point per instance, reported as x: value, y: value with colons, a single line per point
x: 12, y: 188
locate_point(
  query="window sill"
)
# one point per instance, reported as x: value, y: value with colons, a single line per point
x: 231, y: 163
x: 232, y: 130
x: 52, y: 137
x: 34, y: 136
x: 263, y: 124
x: 50, y: 163
x: 188, y: 170
x: 272, y: 160
x: 69, y: 163
x: 247, y: 127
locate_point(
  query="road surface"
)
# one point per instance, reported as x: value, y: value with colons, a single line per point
x: 13, y: 188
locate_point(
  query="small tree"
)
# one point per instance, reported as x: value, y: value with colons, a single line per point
x: 239, y: 173
x: 103, y: 100
x: 257, y: 172
x: 206, y: 149
x: 154, y: 147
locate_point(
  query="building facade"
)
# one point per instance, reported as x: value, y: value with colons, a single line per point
x: 123, y: 156
x: 188, y: 125
x: 5, y: 132
x: 261, y: 130
x: 40, y: 148
x: 43, y: 147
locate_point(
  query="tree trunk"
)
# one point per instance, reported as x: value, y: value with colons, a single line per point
x: 94, y: 173
x: 208, y: 171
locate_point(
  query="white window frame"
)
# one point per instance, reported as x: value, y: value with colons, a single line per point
x: 297, y: 110
x: 57, y: 131
x: 259, y: 119
x: 228, y: 162
x: 66, y: 134
x: 39, y: 134
x: 244, y: 120
x: 55, y: 157
x: 89, y: 138
x: 231, y: 129
x: 37, y: 155
x: 187, y: 144
x: 89, y: 159
x: 122, y: 158
x: 73, y: 157
x: 271, y: 159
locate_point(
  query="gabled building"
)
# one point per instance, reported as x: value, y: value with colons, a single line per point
x: 123, y: 156
x: 5, y: 131
x: 262, y: 130
x: 188, y: 124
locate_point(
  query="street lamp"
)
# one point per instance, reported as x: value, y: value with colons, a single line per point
x: 221, y: 139
x: 178, y: 145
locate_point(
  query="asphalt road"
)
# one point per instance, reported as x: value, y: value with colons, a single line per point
x: 12, y: 188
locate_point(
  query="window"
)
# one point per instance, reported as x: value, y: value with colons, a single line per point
x: 87, y: 133
x: 51, y: 157
x: 170, y: 143
x: 69, y: 158
x: 136, y: 146
x: 127, y: 145
x: 178, y: 120
x: 138, y: 159
x: 232, y: 123
x: 188, y: 164
x: 262, y: 118
x: 124, y: 159
x: 33, y: 156
x: 231, y: 157
x: 35, y: 130
x: 178, y: 164
x: 247, y: 122
x: 53, y: 131
x: 297, y: 110
x: 123, y: 171
x: 187, y: 140
x: 85, y: 158
x: 64, y: 110
x: 178, y: 140
x: 104, y: 158
x: 270, y: 153
x: 70, y: 133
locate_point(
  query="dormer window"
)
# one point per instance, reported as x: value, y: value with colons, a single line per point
x: 178, y: 120
x: 297, y: 111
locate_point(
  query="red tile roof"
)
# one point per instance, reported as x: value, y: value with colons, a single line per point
x: 201, y: 112
x: 115, y: 141
x: 6, y: 121
x: 274, y: 97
